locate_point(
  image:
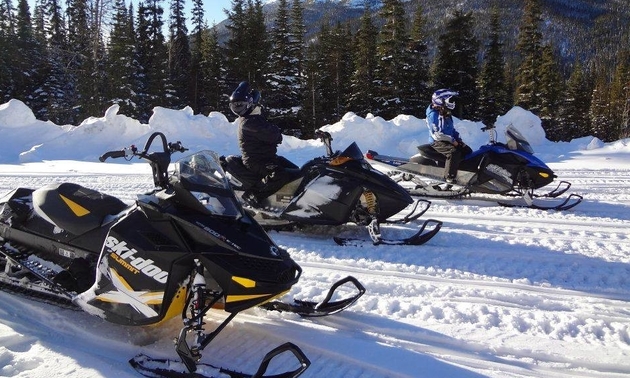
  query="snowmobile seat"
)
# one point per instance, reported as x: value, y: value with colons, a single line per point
x: 74, y: 208
x: 428, y: 152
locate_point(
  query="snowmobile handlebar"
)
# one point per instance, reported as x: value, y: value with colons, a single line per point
x: 167, y: 147
x: 326, y: 138
x: 159, y: 160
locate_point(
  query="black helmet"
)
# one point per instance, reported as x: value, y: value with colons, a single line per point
x: 244, y: 99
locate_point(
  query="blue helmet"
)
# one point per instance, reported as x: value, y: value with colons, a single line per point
x: 244, y: 99
x: 444, y: 98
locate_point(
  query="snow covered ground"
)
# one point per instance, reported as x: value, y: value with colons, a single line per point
x: 498, y: 292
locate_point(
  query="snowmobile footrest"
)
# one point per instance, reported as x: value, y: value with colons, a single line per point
x: 324, y: 308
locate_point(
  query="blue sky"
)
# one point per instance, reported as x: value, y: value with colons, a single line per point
x: 214, y: 10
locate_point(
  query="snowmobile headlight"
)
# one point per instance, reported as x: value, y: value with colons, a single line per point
x: 544, y: 174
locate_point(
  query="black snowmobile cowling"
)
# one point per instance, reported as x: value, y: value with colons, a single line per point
x: 335, y: 189
x: 184, y: 248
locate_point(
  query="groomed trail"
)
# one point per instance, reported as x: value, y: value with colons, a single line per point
x: 498, y: 292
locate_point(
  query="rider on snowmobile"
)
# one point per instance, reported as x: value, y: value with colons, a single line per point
x: 444, y: 138
x: 258, y: 140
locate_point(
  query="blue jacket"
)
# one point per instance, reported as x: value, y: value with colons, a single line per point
x: 441, y: 128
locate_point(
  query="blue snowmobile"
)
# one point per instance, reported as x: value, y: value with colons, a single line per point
x: 509, y: 170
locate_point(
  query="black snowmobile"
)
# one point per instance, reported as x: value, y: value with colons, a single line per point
x: 509, y: 170
x: 333, y: 190
x: 184, y: 248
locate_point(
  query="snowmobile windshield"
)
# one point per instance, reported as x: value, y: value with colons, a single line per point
x: 353, y: 152
x: 202, y: 175
x: 516, y: 140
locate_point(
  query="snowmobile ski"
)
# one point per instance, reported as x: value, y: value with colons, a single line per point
x: 418, y: 238
x: 164, y: 368
x: 532, y: 203
x: 323, y: 308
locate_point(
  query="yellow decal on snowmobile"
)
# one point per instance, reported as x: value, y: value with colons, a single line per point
x: 177, y: 305
x: 245, y: 282
x: 340, y: 160
x: 543, y: 174
x: 238, y: 298
x: 77, y: 209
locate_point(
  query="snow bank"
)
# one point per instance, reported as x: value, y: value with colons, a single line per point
x: 27, y: 139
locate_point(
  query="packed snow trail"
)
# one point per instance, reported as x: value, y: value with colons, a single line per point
x: 499, y: 292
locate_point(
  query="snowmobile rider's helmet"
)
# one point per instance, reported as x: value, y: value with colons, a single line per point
x: 244, y: 99
x: 443, y: 98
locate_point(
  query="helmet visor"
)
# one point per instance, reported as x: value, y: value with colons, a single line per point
x: 449, y: 102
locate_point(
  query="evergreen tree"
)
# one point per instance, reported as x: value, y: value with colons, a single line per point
x: 58, y: 106
x: 121, y: 65
x: 197, y: 98
x: 236, y: 45
x: 80, y: 66
x: 573, y: 118
x: 455, y: 64
x: 247, y: 47
x: 154, y: 86
x: 30, y: 63
x: 493, y: 92
x: 282, y: 98
x: 335, y: 72
x: 600, y: 111
x: 394, y: 61
x: 363, y: 81
x: 9, y: 53
x: 179, y: 57
x: 530, y: 48
x: 212, y: 67
x: 550, y: 93
x: 297, y: 46
x: 418, y: 81
x: 620, y: 95
x: 258, y: 45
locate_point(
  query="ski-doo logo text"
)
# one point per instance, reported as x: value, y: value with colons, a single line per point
x: 125, y: 256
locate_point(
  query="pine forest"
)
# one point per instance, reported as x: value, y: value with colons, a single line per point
x: 566, y: 61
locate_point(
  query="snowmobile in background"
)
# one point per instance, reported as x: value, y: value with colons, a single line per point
x: 183, y: 249
x: 336, y: 189
x: 507, y: 169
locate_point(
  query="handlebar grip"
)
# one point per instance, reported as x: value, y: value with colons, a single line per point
x: 112, y: 154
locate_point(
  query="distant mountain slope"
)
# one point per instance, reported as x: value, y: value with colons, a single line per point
x: 577, y: 28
